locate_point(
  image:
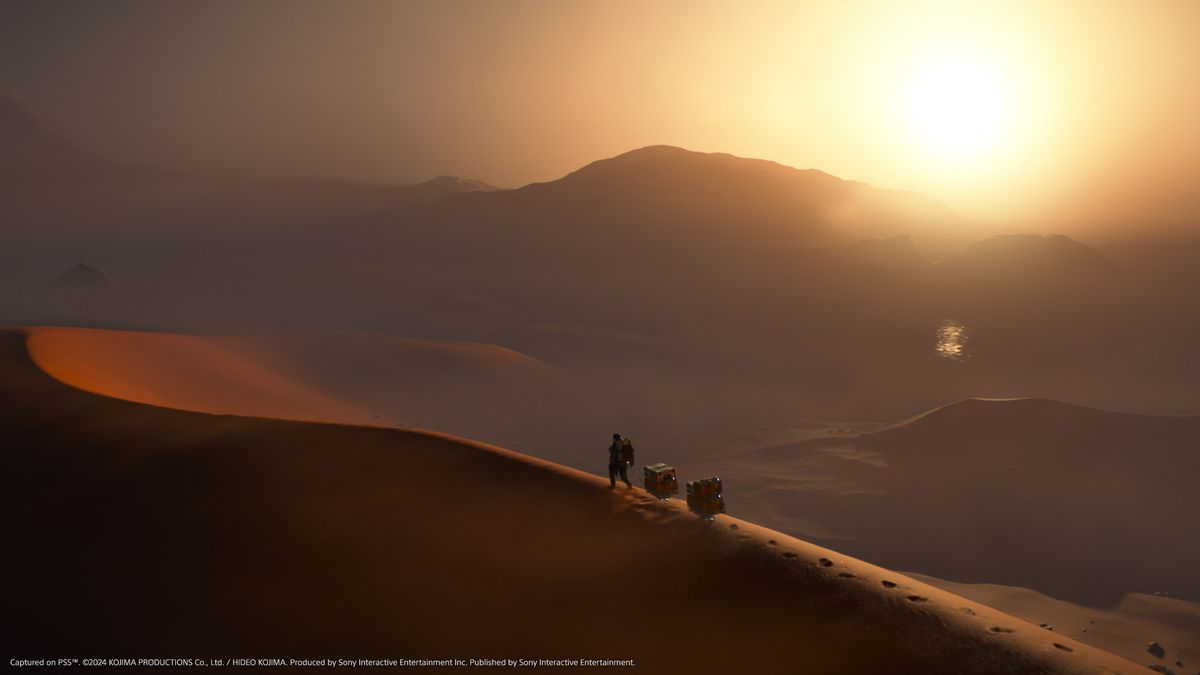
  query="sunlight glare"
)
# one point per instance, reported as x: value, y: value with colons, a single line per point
x: 957, y: 107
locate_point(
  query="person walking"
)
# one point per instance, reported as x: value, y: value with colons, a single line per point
x: 620, y: 456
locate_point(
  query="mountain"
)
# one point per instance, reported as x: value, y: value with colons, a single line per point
x: 1020, y: 259
x: 53, y: 190
x: 82, y: 277
x: 660, y: 190
x: 1003, y: 284
x: 32, y: 152
x: 445, y: 186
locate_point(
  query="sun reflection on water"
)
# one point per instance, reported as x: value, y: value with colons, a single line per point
x: 952, y: 341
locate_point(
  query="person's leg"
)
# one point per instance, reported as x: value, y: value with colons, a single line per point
x: 625, y: 475
x: 612, y: 475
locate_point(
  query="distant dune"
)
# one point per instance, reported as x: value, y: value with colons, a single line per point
x: 180, y: 532
x: 1126, y: 629
x: 1080, y: 504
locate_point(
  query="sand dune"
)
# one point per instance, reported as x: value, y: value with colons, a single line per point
x: 1081, y: 504
x: 1126, y: 629
x: 206, y: 374
x: 331, y: 376
x: 167, y: 531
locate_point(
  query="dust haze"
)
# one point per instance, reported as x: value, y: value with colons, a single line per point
x: 310, y: 222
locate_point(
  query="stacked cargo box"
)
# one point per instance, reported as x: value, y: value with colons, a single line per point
x: 704, y: 497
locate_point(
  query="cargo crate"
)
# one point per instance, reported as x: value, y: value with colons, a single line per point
x: 704, y: 487
x: 660, y: 480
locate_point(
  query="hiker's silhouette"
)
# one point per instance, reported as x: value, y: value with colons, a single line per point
x: 620, y: 456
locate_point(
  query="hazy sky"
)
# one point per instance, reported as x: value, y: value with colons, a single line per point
x: 1007, y: 110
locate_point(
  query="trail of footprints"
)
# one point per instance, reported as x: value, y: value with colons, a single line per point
x: 826, y: 562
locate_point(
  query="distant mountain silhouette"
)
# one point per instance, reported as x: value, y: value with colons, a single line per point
x: 1029, y: 254
x: 445, y: 186
x: 661, y: 189
x: 892, y: 252
x: 1026, y: 269
x: 31, y: 150
x: 82, y: 277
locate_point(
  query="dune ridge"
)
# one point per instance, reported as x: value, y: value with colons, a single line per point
x: 186, y: 530
x: 205, y: 374
x: 981, y: 407
x: 267, y: 374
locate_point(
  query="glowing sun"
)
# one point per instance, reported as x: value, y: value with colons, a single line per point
x: 958, y: 108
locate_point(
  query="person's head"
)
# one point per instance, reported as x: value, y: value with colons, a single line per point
x: 616, y: 437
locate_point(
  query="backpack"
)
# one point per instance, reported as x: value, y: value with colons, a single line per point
x: 626, y: 451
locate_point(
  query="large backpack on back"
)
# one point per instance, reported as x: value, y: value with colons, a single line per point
x: 627, y: 451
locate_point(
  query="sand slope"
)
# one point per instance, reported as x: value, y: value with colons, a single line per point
x: 1125, y: 629
x: 138, y: 529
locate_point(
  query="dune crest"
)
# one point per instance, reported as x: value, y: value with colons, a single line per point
x: 187, y: 372
x: 305, y: 375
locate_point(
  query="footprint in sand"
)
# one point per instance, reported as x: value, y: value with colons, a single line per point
x: 998, y: 629
x: 1063, y: 647
x: 733, y: 526
x: 789, y: 554
x: 825, y: 562
x: 917, y: 598
x: 968, y: 611
x: 845, y: 575
x: 772, y: 542
x: 888, y: 584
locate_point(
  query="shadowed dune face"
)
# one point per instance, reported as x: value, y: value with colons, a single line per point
x: 188, y: 531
